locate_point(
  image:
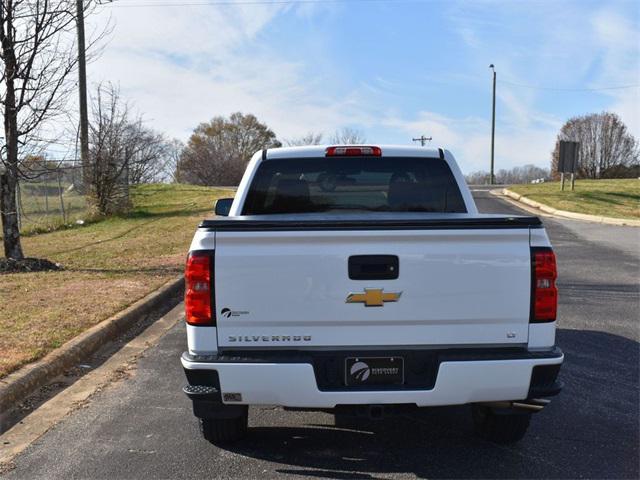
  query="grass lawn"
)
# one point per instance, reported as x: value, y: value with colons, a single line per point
x: 609, y: 198
x: 108, y: 266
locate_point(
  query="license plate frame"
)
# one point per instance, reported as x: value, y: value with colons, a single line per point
x: 375, y: 371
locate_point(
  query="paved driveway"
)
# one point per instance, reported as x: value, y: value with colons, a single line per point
x: 142, y: 427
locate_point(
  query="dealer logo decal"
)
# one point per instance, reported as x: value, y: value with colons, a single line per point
x: 360, y: 371
x: 228, y: 313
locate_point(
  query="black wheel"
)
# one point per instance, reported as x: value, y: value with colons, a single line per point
x: 500, y: 426
x: 224, y: 430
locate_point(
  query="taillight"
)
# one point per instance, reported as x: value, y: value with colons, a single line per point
x: 197, y: 293
x: 544, y: 293
x: 353, y: 152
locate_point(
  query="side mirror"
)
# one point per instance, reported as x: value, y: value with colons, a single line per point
x: 223, y: 206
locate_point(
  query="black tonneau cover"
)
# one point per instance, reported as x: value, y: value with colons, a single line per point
x: 370, y: 221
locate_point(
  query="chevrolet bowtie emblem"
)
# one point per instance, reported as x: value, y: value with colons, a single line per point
x: 373, y: 297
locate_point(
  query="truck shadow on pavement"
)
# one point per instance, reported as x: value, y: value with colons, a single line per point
x: 590, y: 430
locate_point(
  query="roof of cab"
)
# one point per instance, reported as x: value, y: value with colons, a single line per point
x: 319, y: 151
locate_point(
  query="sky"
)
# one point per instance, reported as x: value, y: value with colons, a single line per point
x: 393, y: 69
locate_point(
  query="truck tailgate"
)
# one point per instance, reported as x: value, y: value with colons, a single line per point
x: 289, y: 289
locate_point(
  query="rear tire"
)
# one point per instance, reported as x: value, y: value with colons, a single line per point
x: 224, y: 430
x: 500, y: 427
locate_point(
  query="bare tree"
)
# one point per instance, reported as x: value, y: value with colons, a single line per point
x: 174, y: 151
x: 477, y: 178
x: 218, y: 151
x: 606, y: 146
x: 149, y: 152
x: 122, y: 152
x: 38, y: 55
x: 348, y: 136
x: 106, y: 172
x: 310, y: 138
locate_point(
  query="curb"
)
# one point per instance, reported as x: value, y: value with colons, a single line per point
x: 30, y: 428
x: 563, y: 213
x: 16, y: 386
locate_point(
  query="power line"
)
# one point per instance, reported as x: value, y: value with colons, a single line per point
x: 538, y: 87
x: 120, y: 4
x: 423, y: 140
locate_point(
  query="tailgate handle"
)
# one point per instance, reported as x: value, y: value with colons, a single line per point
x: 374, y: 267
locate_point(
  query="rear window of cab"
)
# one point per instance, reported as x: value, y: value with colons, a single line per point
x: 330, y: 184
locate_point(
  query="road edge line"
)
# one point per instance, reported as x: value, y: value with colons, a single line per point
x: 17, y: 385
x: 521, y: 199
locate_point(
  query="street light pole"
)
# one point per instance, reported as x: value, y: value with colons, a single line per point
x: 82, y: 88
x: 493, y: 126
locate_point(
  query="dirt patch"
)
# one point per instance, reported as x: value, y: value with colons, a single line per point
x: 27, y: 265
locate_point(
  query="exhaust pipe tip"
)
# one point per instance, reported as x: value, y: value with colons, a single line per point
x: 530, y: 404
x: 527, y: 406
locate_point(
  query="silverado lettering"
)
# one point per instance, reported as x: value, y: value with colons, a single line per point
x: 272, y: 338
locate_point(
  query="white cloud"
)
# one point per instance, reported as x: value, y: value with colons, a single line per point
x: 552, y: 45
x: 182, y: 66
x: 619, y: 41
x: 627, y: 105
x: 470, y: 140
x: 186, y: 31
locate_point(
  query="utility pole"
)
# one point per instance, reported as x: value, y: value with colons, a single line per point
x: 422, y: 139
x: 82, y: 88
x: 493, y: 126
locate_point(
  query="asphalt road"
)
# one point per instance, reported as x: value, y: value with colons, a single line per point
x: 142, y: 427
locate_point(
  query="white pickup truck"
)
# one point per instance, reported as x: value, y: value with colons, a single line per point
x: 362, y: 281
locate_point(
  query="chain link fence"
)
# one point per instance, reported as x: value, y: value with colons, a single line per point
x: 51, y: 197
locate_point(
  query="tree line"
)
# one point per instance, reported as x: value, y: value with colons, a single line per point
x: 607, y: 150
x: 524, y: 174
x: 218, y: 151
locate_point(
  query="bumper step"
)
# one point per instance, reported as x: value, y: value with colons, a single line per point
x: 201, y: 392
